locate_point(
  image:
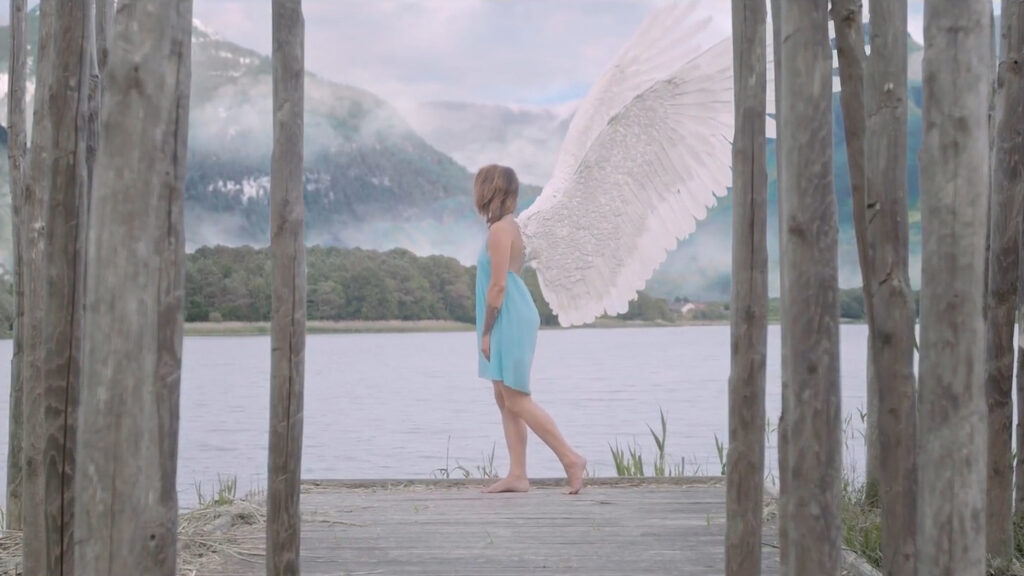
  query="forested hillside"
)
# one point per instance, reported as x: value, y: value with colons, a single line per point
x: 233, y: 284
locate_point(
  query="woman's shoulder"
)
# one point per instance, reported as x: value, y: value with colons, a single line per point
x: 504, y: 228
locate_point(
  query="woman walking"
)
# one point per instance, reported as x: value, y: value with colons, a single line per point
x: 507, y: 324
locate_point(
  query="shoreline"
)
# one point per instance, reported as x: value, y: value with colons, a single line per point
x: 228, y: 329
x: 224, y: 329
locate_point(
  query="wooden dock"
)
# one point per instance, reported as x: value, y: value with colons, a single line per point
x: 615, y: 527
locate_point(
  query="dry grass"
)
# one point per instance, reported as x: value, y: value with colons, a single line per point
x: 10, y: 553
x: 205, y: 534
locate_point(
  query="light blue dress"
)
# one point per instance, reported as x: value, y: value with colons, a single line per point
x: 514, y: 336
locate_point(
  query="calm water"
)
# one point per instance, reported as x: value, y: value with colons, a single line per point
x: 392, y: 405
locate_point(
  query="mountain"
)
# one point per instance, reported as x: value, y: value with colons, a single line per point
x: 371, y: 180
x: 378, y: 177
x: 700, y: 267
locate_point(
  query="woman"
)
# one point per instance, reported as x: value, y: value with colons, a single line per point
x: 507, y: 324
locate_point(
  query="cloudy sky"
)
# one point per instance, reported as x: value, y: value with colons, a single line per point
x: 519, y: 52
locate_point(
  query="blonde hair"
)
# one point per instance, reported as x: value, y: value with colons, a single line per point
x: 495, y: 191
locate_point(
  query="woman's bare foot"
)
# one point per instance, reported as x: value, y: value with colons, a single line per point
x: 510, y: 484
x: 574, y: 471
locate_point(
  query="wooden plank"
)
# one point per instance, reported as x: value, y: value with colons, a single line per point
x: 36, y: 193
x: 1003, y: 278
x: 811, y: 401
x: 127, y: 413
x: 288, y: 326
x: 432, y: 530
x: 952, y: 445
x: 312, y: 484
x: 16, y: 148
x: 749, y: 317
x: 893, y: 316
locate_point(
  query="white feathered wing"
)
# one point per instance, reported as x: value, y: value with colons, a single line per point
x: 646, y: 153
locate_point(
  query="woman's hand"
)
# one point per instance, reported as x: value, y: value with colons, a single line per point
x: 485, y: 346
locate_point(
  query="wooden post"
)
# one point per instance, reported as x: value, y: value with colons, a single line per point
x: 847, y: 15
x: 16, y: 148
x: 288, y: 327
x: 171, y: 295
x: 34, y: 551
x: 745, y: 462
x: 812, y: 400
x: 127, y: 441
x: 1003, y: 279
x: 62, y: 307
x: 893, y: 316
x: 952, y: 447
x: 783, y: 439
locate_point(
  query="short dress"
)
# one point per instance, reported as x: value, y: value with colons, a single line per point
x: 514, y: 336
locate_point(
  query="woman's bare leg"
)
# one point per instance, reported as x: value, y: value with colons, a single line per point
x: 515, y: 439
x: 544, y: 426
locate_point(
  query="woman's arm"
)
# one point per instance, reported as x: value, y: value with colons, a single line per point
x: 499, y: 246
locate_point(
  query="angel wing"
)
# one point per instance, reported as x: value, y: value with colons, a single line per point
x: 646, y: 154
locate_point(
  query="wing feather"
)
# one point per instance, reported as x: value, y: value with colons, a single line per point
x: 645, y: 157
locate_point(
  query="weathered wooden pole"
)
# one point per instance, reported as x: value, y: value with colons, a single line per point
x: 782, y: 442
x: 128, y: 427
x: 745, y: 462
x: 16, y: 149
x: 61, y: 368
x: 170, y: 250
x: 810, y: 267
x: 1003, y: 280
x: 893, y: 316
x: 37, y: 186
x: 952, y: 447
x: 848, y: 18
x: 288, y: 327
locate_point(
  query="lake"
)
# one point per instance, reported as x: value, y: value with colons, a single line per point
x: 404, y: 405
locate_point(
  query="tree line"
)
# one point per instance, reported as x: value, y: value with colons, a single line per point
x: 233, y: 284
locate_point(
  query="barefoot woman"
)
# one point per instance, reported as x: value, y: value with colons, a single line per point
x: 507, y: 323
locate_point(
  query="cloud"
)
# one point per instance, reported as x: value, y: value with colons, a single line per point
x: 527, y: 52
x: 524, y: 52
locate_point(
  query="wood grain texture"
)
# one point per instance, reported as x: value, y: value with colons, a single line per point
x: 16, y: 149
x: 170, y: 250
x: 127, y: 426
x: 62, y: 315
x: 812, y: 398
x: 848, y: 17
x: 34, y: 551
x: 749, y: 318
x: 288, y: 325
x: 457, y: 531
x: 1005, y: 217
x: 104, y: 25
x: 893, y: 316
x: 952, y: 447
